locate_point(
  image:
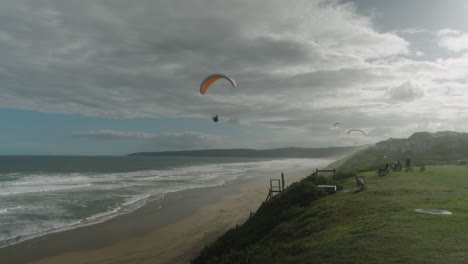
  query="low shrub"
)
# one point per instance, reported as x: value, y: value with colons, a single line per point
x: 346, y: 174
x: 236, y: 244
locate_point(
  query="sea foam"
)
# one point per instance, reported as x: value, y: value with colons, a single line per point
x: 37, y: 203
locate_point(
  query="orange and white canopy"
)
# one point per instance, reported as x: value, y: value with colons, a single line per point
x: 208, y: 81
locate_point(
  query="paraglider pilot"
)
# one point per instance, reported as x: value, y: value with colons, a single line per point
x: 408, y: 164
x: 215, y: 118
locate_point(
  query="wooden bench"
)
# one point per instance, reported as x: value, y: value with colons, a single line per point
x: 327, y: 186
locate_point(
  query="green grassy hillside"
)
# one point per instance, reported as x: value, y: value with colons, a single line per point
x: 378, y: 225
x: 423, y: 148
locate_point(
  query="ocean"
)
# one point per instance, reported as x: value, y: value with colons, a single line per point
x: 45, y: 194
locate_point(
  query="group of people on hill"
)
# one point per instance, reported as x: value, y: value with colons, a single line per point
x: 398, y: 166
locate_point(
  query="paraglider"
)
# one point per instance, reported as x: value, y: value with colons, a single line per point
x: 337, y: 127
x: 356, y: 130
x: 208, y: 81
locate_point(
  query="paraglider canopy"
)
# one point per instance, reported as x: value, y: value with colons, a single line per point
x: 356, y: 130
x: 208, y: 81
x: 337, y: 127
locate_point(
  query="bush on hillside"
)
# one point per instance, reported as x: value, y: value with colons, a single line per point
x: 236, y: 244
x: 346, y: 174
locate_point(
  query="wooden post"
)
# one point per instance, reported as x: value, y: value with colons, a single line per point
x: 282, y: 181
x: 269, y: 195
x: 316, y: 176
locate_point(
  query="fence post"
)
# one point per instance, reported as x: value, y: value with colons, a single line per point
x: 282, y: 181
x: 316, y: 176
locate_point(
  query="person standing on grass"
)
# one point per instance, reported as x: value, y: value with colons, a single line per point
x: 408, y: 164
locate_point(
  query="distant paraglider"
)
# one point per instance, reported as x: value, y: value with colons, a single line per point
x: 337, y: 127
x: 356, y: 130
x: 208, y: 81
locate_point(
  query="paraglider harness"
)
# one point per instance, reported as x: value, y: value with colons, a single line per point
x: 215, y: 118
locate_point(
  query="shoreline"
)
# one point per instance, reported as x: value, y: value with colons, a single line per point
x: 152, y: 215
x: 186, y: 222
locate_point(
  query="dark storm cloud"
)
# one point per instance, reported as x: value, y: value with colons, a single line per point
x: 299, y: 66
x: 97, y: 57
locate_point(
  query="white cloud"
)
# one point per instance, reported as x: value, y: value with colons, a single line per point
x: 455, y: 43
x: 447, y: 32
x: 419, y: 53
x: 405, y: 92
x: 411, y: 31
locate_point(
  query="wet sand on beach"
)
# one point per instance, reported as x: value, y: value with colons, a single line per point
x: 177, y: 239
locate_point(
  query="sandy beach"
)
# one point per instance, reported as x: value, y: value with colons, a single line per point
x: 141, y: 237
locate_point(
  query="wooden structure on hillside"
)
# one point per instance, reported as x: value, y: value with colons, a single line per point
x: 276, y: 186
x: 316, y: 180
x: 317, y: 171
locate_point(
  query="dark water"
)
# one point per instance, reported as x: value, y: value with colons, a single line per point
x: 103, y: 164
x: 43, y: 194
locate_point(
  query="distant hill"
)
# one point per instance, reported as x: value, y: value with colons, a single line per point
x: 424, y: 148
x: 291, y: 152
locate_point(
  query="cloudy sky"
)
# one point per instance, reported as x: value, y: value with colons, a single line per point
x: 111, y: 77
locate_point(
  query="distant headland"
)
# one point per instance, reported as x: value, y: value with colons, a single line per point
x: 290, y: 152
